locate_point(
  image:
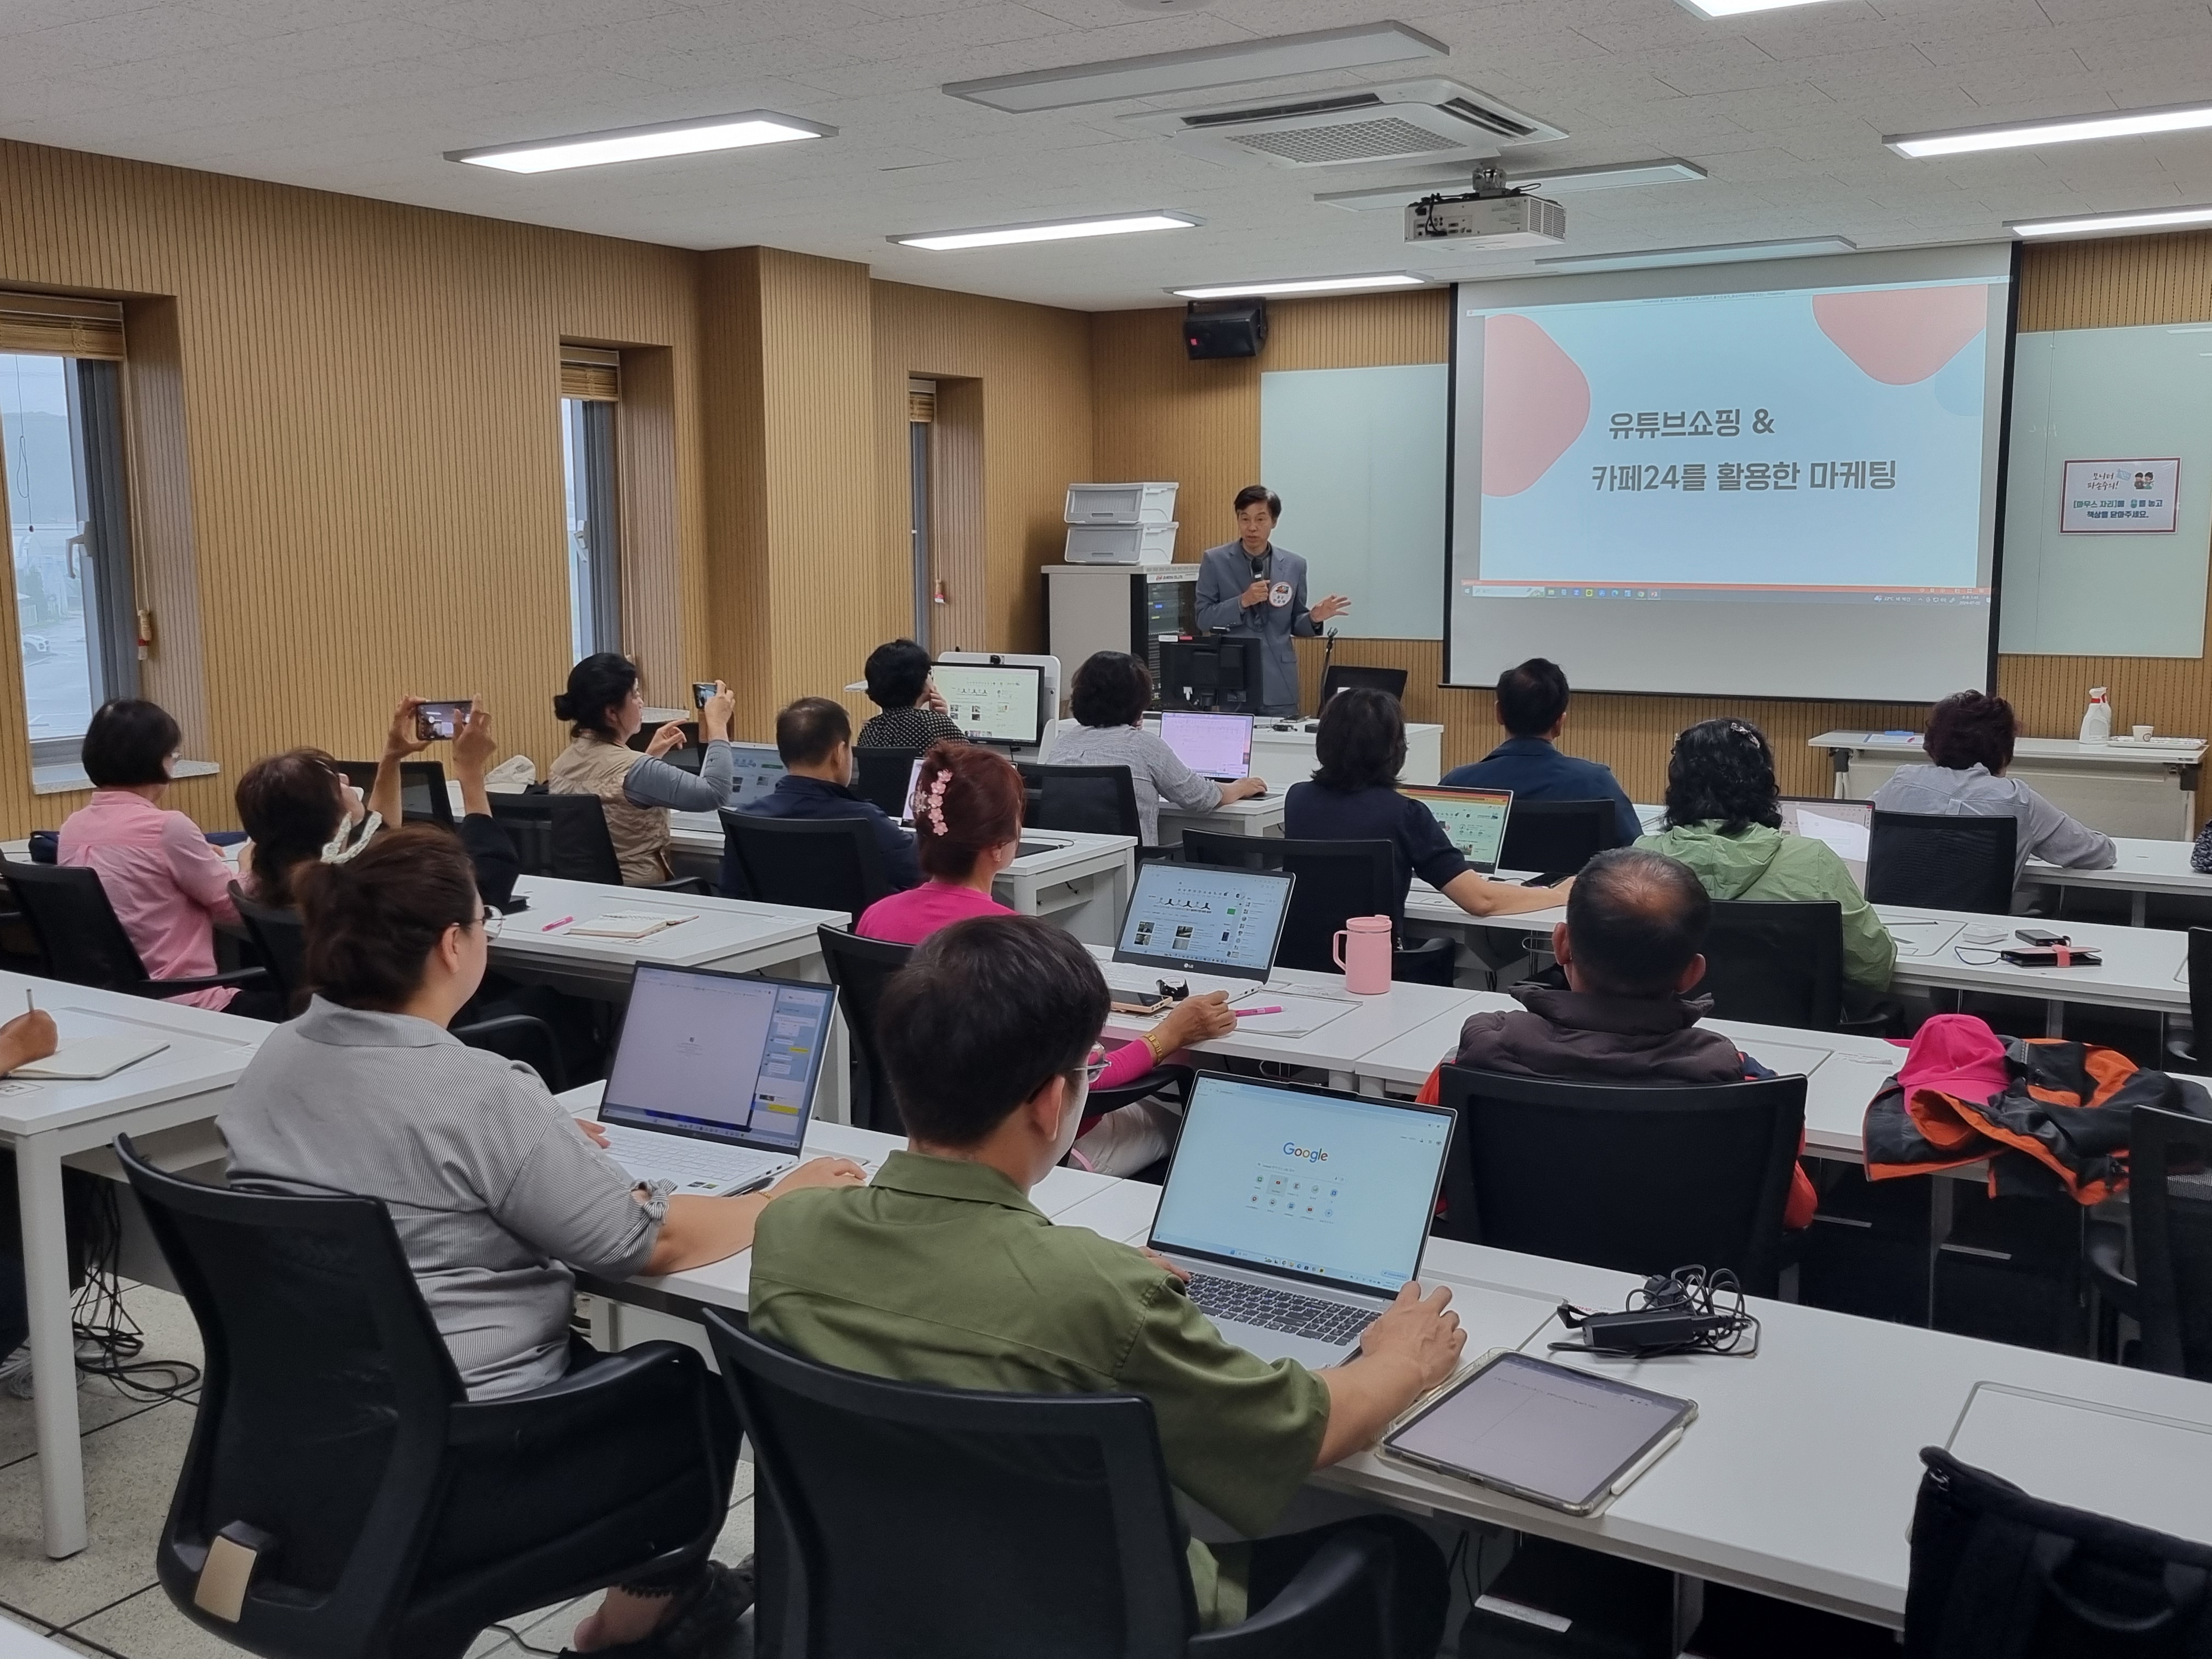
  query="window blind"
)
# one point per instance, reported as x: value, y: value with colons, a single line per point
x: 921, y: 402
x: 62, y: 327
x: 591, y: 373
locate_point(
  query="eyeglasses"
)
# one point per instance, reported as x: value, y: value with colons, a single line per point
x: 491, y: 922
x: 1099, y: 1061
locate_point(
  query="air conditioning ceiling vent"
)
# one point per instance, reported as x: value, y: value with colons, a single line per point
x: 1409, y: 120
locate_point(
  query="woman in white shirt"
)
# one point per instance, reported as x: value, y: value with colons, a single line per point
x: 1969, y: 744
x: 1111, y: 692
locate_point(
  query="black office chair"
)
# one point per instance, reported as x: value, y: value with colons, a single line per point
x: 1998, y: 1573
x: 2193, y: 1052
x: 402, y: 1518
x: 1088, y: 800
x: 83, y: 943
x: 1335, y: 879
x: 422, y: 797
x: 2169, y: 1223
x: 899, y: 1504
x: 520, y: 1037
x: 859, y: 968
x: 1944, y: 863
x: 1558, y: 837
x: 281, y: 941
x: 820, y: 864
x: 566, y: 837
x: 879, y: 776
x: 688, y: 759
x: 1776, y: 962
x: 1641, y: 1177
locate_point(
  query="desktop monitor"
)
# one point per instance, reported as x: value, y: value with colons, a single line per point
x: 1473, y: 819
x: 993, y: 703
x: 1338, y: 676
x: 1199, y: 673
x: 1846, y: 825
x: 1216, y: 746
x: 721, y: 1056
x: 756, y: 769
x: 1207, y: 919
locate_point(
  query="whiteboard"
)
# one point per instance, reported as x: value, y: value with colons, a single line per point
x: 1358, y: 457
x: 2095, y: 394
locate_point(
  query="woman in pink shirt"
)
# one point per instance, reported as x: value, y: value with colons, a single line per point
x: 168, y: 887
x: 967, y: 828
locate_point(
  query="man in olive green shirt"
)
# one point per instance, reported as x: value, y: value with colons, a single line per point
x: 942, y: 1270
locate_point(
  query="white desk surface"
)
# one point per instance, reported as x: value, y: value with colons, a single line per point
x: 2064, y: 750
x: 2142, y: 866
x: 1262, y: 815
x: 2154, y: 1470
x: 207, y: 1052
x: 719, y: 929
x: 1069, y: 853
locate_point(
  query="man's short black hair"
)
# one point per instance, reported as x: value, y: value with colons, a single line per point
x: 1532, y: 699
x: 1112, y: 688
x: 896, y: 673
x: 129, y: 743
x: 808, y: 729
x: 1253, y: 494
x: 987, y: 1013
x: 1635, y: 920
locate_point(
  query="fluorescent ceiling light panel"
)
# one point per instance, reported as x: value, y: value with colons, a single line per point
x: 1297, y: 285
x: 1358, y: 47
x: 2140, y: 219
x: 2064, y: 130
x: 1718, y: 253
x: 1711, y: 10
x: 691, y: 138
x: 1058, y: 230
x: 1559, y: 182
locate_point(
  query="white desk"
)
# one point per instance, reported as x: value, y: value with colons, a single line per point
x: 1261, y: 816
x: 45, y: 1122
x: 2122, y: 788
x: 1797, y: 1479
x: 2140, y: 868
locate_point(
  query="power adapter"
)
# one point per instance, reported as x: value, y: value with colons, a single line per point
x: 1650, y: 1330
x: 1690, y: 1311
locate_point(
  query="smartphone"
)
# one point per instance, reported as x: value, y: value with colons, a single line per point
x: 2049, y: 958
x: 1552, y: 880
x: 2041, y: 936
x: 702, y: 691
x: 436, y: 722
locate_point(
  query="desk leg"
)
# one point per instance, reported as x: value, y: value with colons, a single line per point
x: 2054, y: 1018
x: 2138, y: 909
x: 53, y: 1348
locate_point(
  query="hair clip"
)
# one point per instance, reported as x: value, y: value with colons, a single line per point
x: 935, y: 809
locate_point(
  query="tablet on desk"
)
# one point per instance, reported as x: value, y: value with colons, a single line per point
x: 1547, y: 1433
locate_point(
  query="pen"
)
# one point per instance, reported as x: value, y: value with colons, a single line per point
x: 1246, y: 1013
x: 550, y: 926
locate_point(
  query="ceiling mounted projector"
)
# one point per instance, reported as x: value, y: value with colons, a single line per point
x: 1492, y: 214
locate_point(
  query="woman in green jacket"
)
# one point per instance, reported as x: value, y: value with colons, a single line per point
x: 1723, y: 821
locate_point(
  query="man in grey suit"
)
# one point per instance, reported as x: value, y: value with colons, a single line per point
x: 1257, y: 591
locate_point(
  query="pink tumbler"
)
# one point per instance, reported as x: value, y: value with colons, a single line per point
x: 1362, y: 948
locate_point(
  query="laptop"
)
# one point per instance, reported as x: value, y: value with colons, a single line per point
x: 1204, y: 919
x: 1298, y: 1212
x: 1216, y: 746
x: 756, y: 771
x: 1473, y: 820
x: 713, y: 1076
x: 1846, y: 825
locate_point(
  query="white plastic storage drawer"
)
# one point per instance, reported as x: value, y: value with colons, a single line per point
x: 1121, y: 503
x: 1120, y: 543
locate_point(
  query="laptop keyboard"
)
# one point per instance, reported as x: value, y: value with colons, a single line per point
x: 1231, y: 1301
x: 692, y: 1165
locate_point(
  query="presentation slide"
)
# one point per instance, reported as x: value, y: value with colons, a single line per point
x: 1775, y: 479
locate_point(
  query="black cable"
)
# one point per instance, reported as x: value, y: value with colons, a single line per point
x: 108, y: 1340
x: 1707, y: 1294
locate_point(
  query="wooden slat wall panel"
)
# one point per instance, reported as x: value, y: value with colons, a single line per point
x: 369, y: 399
x: 163, y: 553
x: 1159, y: 415
x: 1032, y: 366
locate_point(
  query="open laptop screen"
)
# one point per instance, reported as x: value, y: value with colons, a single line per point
x: 1473, y: 820
x: 1217, y: 746
x: 756, y: 769
x: 719, y: 1055
x: 1204, y: 919
x: 1329, y: 1186
x: 1845, y: 825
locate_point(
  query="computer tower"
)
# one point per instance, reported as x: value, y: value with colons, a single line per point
x: 1091, y: 608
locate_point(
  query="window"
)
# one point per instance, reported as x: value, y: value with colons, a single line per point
x: 591, y: 385
x: 68, y: 524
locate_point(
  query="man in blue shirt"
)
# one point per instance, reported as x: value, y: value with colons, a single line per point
x: 814, y: 738
x: 1532, y: 707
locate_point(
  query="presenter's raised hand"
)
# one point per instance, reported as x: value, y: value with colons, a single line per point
x: 1329, y: 609
x: 1255, y: 595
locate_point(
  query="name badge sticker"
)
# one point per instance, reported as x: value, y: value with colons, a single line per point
x: 1280, y: 595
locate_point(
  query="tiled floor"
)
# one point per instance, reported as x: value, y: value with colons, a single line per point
x: 105, y: 1599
